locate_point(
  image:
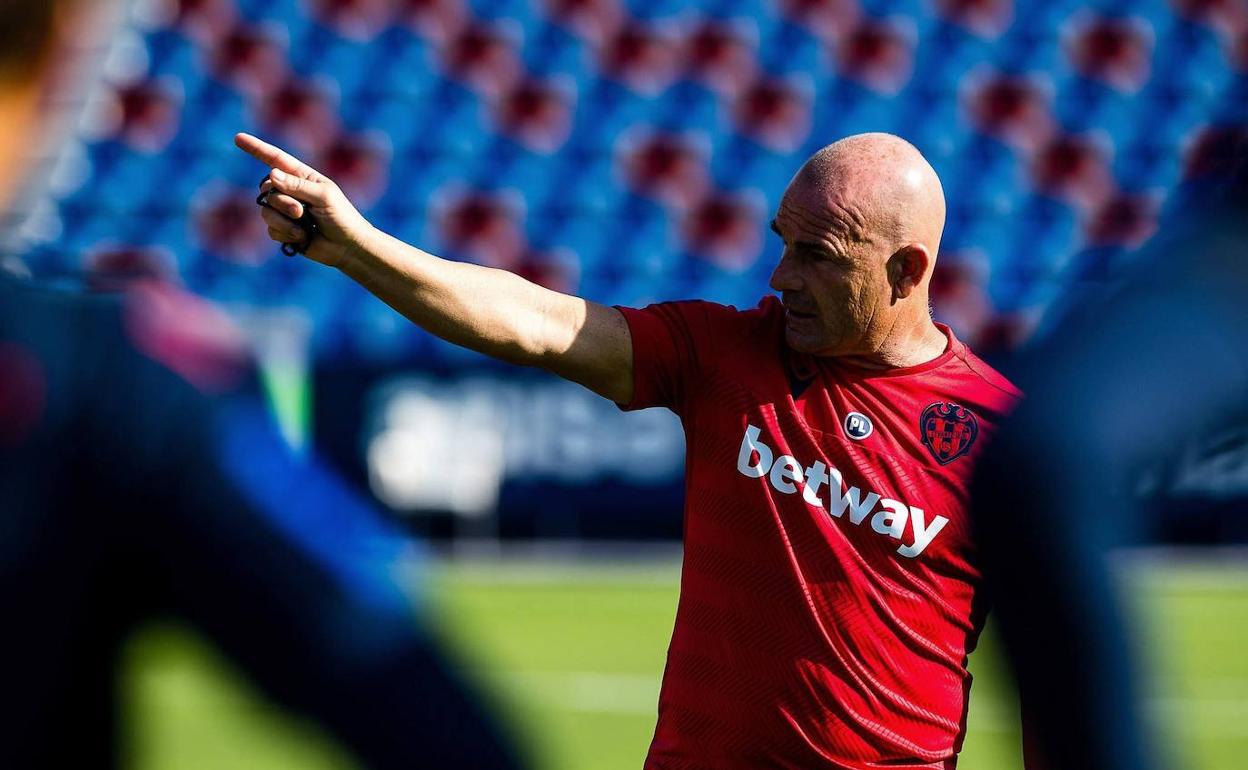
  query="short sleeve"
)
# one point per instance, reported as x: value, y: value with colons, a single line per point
x: 675, y: 346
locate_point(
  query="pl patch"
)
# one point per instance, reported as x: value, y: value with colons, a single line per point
x: 858, y: 426
x: 948, y: 430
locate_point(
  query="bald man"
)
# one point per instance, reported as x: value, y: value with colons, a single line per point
x: 829, y: 589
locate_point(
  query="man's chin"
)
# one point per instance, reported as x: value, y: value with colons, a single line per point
x: 808, y: 344
x: 800, y: 343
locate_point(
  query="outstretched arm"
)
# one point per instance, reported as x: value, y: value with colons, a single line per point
x: 487, y: 310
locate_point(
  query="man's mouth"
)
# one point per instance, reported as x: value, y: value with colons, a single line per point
x: 798, y: 315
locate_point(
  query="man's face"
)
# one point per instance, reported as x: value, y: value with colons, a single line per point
x: 832, y: 275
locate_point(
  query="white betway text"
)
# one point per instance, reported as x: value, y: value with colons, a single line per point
x: 788, y: 477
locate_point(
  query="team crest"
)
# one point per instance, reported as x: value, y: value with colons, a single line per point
x: 948, y: 430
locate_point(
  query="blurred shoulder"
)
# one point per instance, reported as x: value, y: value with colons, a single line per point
x: 187, y: 335
x: 151, y: 343
x: 992, y: 388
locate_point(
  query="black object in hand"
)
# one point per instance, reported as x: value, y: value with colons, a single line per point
x: 307, y: 222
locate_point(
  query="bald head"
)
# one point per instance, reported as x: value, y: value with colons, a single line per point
x: 883, y: 183
x: 861, y: 221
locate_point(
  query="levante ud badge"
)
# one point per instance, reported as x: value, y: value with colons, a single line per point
x: 948, y: 430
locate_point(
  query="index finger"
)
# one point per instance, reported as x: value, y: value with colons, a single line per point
x: 274, y: 157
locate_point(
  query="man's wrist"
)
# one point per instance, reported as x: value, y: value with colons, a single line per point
x: 361, y: 251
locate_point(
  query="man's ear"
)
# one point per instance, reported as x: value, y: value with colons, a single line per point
x: 907, y: 268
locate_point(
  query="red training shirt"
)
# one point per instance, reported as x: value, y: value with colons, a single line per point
x: 828, y: 592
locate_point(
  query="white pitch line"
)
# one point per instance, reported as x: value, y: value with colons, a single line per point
x: 590, y: 691
x: 1154, y: 570
x: 601, y: 692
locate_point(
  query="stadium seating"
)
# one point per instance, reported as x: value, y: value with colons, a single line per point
x: 633, y: 150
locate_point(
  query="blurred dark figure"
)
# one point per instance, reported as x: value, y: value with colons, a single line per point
x: 139, y: 478
x: 1128, y: 378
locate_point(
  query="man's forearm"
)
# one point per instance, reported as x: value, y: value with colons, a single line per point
x: 490, y: 311
x: 484, y: 309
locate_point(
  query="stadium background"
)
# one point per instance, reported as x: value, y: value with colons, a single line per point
x: 627, y: 151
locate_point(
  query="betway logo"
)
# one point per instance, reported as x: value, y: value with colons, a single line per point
x: 787, y: 475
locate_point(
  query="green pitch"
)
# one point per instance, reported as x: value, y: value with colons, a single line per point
x: 572, y: 655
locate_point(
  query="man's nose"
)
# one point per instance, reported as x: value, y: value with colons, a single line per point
x: 785, y: 277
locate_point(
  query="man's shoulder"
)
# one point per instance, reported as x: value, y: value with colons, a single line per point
x: 27, y: 302
x: 53, y: 323
x: 717, y: 313
x: 750, y: 334
x: 144, y: 335
x: 988, y: 385
x: 713, y: 328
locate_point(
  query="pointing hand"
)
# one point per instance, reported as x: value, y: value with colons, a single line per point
x: 296, y: 188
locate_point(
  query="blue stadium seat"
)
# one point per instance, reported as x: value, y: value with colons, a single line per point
x: 786, y: 48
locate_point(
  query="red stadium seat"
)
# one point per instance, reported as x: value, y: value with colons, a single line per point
x: 959, y: 293
x: 483, y: 227
x: 1011, y: 108
x: 1123, y: 220
x: 555, y: 270
x: 719, y: 56
x: 1225, y: 14
x: 878, y: 54
x: 482, y: 58
x: 359, y: 164
x: 666, y: 167
x: 774, y: 113
x: 204, y: 20
x: 1005, y: 332
x: 435, y: 20
x: 594, y: 21
x: 725, y: 228
x: 147, y: 114
x: 536, y: 113
x: 986, y: 18
x: 250, y: 59
x: 226, y: 225
x: 354, y: 19
x: 303, y: 111
x: 642, y: 57
x: 1073, y: 168
x: 826, y: 19
x: 1115, y: 51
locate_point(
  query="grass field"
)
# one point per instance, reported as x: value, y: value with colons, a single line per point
x: 573, y: 655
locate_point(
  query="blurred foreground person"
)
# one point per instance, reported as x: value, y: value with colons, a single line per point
x: 829, y: 591
x: 1127, y: 380
x: 127, y: 492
